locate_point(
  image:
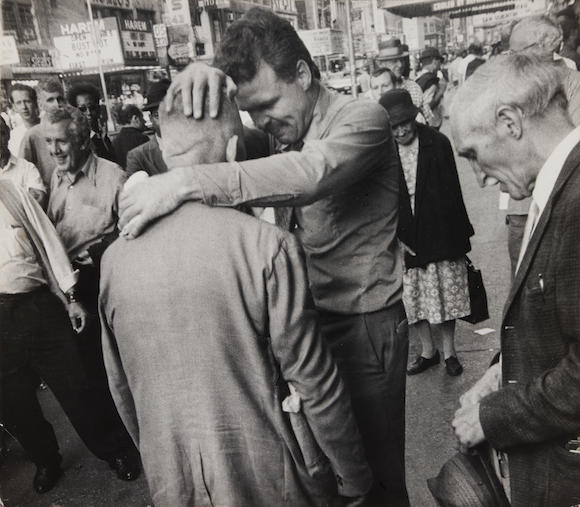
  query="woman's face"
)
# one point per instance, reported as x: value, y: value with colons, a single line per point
x: 404, y: 133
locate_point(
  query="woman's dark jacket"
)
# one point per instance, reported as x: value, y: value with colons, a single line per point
x: 440, y: 228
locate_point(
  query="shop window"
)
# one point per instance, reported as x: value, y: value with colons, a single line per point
x: 17, y: 20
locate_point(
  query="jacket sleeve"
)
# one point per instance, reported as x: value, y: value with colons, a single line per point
x: 548, y: 407
x: 358, y: 142
x: 308, y: 366
x: 133, y: 164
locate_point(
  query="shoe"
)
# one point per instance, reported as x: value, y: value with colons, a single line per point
x: 46, y: 478
x: 126, y: 467
x: 453, y: 366
x: 422, y: 363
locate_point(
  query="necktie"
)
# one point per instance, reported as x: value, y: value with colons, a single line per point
x: 533, y: 215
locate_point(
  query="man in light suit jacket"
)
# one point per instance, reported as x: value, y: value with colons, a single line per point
x: 207, y: 324
x: 510, y: 120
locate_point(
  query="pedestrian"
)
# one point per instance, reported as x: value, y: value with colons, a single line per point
x: 86, y: 98
x: 33, y: 146
x: 148, y: 157
x: 131, y: 135
x: 433, y: 84
x: 510, y: 120
x: 241, y: 449
x: 435, y: 228
x: 23, y: 101
x: 83, y: 209
x: 334, y: 181
x: 21, y: 172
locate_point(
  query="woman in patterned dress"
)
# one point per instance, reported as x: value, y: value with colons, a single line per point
x: 434, y: 229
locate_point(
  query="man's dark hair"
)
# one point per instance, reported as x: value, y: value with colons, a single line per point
x: 261, y: 35
x: 124, y: 113
x: 19, y: 87
x: 475, y: 49
x: 50, y: 85
x: 83, y: 89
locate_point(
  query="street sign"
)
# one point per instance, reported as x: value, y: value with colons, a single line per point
x: 160, y: 34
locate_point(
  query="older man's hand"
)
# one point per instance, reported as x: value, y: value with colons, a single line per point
x: 484, y: 386
x: 145, y: 201
x: 194, y: 82
x: 467, y: 426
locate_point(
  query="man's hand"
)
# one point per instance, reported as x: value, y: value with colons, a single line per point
x: 484, y: 386
x: 467, y: 426
x: 78, y: 316
x: 194, y: 82
x: 145, y: 201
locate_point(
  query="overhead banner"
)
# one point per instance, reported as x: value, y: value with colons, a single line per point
x: 77, y: 48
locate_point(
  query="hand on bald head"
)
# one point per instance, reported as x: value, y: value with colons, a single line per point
x: 187, y: 141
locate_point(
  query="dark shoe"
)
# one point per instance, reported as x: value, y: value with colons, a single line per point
x: 453, y: 366
x: 422, y: 363
x: 126, y: 467
x: 46, y: 478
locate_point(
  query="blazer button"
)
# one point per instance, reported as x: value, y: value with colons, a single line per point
x: 508, y: 328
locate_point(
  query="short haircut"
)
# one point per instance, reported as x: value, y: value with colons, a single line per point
x: 51, y: 85
x: 78, y: 128
x: 261, y: 35
x: 199, y: 141
x: 531, y: 84
x: 475, y: 49
x: 538, y: 33
x: 19, y: 87
x: 83, y: 89
x: 124, y: 113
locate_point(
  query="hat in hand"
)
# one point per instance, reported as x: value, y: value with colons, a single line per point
x: 399, y: 105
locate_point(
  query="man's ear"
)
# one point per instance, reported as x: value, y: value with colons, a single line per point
x: 232, y: 149
x: 509, y: 121
x: 303, y: 75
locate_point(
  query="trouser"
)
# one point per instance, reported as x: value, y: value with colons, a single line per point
x: 516, y: 227
x: 37, y: 340
x: 371, y: 352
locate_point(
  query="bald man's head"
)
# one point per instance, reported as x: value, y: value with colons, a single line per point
x: 187, y: 141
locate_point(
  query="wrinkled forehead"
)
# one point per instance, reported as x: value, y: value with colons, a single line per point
x: 197, y: 141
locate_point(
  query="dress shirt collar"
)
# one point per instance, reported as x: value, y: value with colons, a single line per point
x: 89, y: 170
x: 552, y: 167
x: 11, y: 162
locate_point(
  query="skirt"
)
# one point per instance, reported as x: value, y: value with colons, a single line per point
x: 437, y: 293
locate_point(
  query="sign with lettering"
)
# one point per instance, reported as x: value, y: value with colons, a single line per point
x: 116, y: 4
x: 160, y: 35
x: 8, y: 50
x: 79, y: 45
x: 138, y: 45
x: 176, y: 12
x: 325, y: 41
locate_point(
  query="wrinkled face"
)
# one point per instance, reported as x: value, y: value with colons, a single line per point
x: 282, y: 109
x: 67, y: 152
x: 49, y: 101
x: 494, y: 161
x: 381, y: 84
x: 24, y: 105
x: 87, y: 105
x: 404, y: 133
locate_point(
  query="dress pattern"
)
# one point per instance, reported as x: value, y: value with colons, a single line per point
x: 439, y: 292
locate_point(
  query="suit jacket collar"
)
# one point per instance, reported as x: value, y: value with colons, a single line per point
x: 572, y: 163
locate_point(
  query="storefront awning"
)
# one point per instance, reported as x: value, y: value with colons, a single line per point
x: 454, y: 8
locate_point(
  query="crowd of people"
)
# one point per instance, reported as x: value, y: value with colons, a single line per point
x: 243, y: 362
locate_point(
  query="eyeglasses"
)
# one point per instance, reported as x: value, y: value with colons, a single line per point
x: 83, y: 108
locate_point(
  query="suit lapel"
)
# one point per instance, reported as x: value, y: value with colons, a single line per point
x: 571, y: 164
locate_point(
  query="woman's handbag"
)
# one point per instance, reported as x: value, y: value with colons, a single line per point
x: 477, y: 295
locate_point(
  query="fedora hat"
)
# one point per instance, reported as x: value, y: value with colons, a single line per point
x: 430, y: 53
x: 468, y: 479
x: 155, y: 93
x: 399, y: 106
x: 391, y: 49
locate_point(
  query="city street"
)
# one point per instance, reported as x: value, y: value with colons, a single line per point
x: 431, y: 396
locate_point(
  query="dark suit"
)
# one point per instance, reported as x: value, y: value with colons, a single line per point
x: 538, y: 408
x: 146, y: 157
x: 439, y: 229
x: 127, y: 139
